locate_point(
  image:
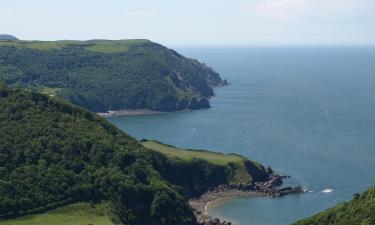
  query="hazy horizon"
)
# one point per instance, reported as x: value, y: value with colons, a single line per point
x: 195, y: 23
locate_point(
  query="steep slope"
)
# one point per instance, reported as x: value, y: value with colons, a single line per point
x: 103, y: 75
x: 199, y: 170
x: 359, y: 211
x: 53, y: 153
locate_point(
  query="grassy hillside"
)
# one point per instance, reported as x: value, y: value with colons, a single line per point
x: 103, y: 75
x: 359, y: 211
x: 75, y: 214
x: 212, y: 157
x: 234, y: 169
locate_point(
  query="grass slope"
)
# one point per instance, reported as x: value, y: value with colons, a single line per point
x: 185, y: 154
x: 75, y: 214
x: 243, y: 170
x: 103, y: 46
x: 359, y: 211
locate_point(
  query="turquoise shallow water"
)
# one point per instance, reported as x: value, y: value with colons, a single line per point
x: 307, y: 112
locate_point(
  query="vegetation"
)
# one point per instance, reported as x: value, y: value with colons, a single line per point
x: 53, y: 154
x: 212, y: 157
x: 230, y: 168
x: 360, y: 210
x: 75, y: 214
x: 103, y: 75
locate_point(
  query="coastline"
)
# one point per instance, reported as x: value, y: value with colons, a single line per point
x: 201, y: 204
x: 135, y: 112
x: 267, y: 188
x: 128, y: 112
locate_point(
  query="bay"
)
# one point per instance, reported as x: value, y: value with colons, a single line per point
x: 308, y: 112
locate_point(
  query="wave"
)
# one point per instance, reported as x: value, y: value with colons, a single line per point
x: 327, y: 190
x: 325, y: 112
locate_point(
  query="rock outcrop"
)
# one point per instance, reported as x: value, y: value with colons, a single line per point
x: 217, y: 222
x: 267, y: 188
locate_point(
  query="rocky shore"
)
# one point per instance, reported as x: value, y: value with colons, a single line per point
x: 267, y: 188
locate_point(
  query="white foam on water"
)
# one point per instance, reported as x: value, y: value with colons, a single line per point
x: 327, y: 190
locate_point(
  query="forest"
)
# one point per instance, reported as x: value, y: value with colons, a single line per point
x: 103, y: 75
x: 53, y: 153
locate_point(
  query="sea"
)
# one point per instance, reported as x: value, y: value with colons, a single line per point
x: 308, y: 112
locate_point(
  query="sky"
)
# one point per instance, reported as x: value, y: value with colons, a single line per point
x: 194, y: 22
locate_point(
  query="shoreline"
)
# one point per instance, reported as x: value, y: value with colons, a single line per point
x: 135, y: 112
x: 201, y: 204
x: 258, y: 189
x: 128, y: 112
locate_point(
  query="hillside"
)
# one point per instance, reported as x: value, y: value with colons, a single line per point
x: 359, y: 211
x: 236, y: 169
x: 103, y: 75
x: 53, y: 154
x: 74, y: 214
x: 7, y: 37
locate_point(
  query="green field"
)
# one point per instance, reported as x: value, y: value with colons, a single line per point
x: 75, y: 214
x: 113, y: 46
x: 40, y: 45
x: 188, y: 154
x: 103, y: 46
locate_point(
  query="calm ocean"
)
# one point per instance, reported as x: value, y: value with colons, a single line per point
x: 307, y: 112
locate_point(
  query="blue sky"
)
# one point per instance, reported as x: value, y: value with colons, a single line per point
x: 194, y: 22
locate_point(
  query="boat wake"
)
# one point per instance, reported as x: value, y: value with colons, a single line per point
x: 187, y: 135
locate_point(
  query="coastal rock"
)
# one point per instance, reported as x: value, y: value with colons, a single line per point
x: 275, y: 180
x: 199, y: 103
x: 217, y: 222
x: 290, y: 190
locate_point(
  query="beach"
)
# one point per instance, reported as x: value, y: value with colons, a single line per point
x: 128, y: 112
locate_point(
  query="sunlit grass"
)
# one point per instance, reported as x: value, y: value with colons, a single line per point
x: 75, y: 214
x: 187, y: 154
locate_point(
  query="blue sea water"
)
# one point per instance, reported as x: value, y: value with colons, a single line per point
x: 307, y: 112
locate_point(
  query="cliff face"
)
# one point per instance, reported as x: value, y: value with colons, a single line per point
x: 103, y: 75
x: 197, y: 171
